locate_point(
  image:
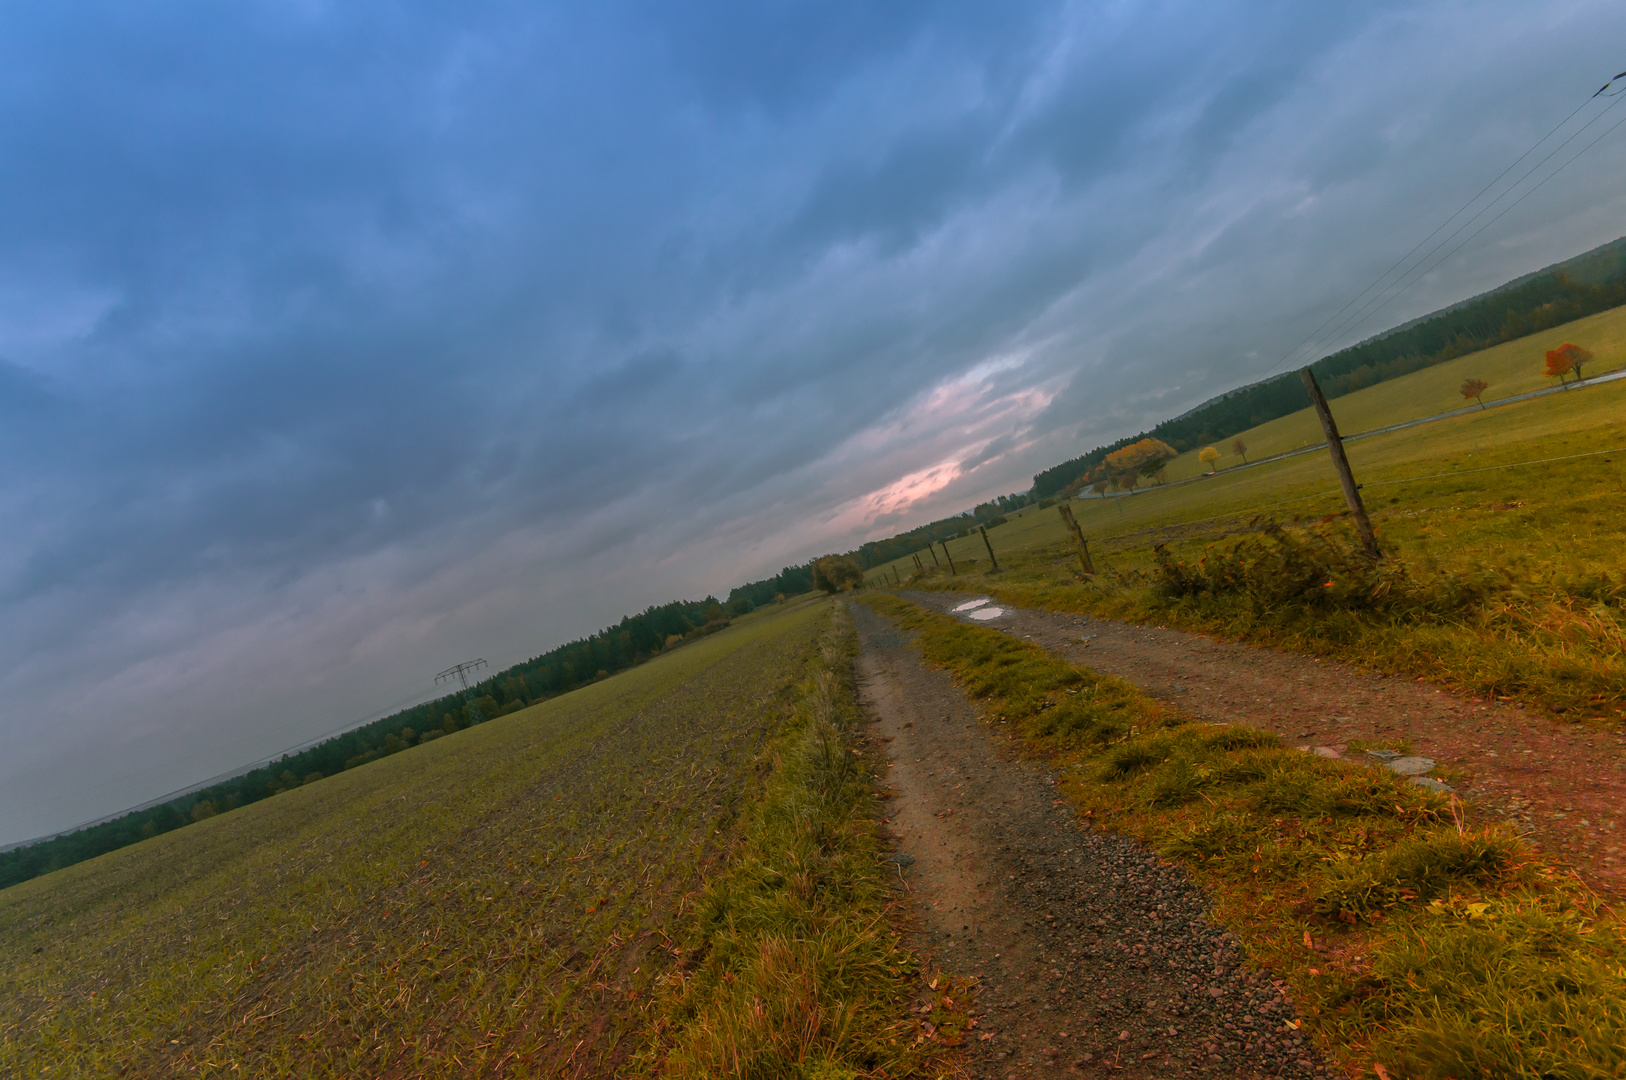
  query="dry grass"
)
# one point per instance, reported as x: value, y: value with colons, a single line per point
x: 1405, y: 939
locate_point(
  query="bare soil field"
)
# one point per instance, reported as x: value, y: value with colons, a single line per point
x: 1089, y: 953
x: 1562, y: 785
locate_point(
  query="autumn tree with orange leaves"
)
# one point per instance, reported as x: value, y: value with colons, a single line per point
x: 1473, y: 388
x: 1127, y: 465
x: 1565, y: 359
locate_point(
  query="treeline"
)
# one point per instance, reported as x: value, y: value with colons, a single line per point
x: 558, y: 671
x: 1535, y: 303
x: 992, y: 512
x: 791, y: 581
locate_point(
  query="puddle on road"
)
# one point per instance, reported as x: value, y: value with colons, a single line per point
x: 984, y: 614
x: 969, y: 604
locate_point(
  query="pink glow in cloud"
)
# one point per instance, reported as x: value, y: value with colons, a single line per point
x: 956, y: 424
x: 906, y: 491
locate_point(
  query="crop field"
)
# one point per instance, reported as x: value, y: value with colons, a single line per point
x: 1503, y: 529
x: 1411, y: 945
x: 515, y: 899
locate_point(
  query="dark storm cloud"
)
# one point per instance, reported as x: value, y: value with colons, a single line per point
x: 336, y: 342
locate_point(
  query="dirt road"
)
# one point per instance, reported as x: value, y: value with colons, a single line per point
x: 1093, y: 956
x: 1562, y: 785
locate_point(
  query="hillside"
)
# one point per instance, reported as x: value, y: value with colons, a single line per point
x: 1591, y: 282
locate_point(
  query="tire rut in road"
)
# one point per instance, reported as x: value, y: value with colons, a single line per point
x: 1092, y: 954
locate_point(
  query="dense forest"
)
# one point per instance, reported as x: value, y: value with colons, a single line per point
x: 1582, y: 286
x: 791, y: 581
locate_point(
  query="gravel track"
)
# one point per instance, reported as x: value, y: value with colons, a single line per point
x: 1561, y: 785
x: 1092, y: 955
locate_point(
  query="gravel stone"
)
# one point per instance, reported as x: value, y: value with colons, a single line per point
x: 1066, y: 929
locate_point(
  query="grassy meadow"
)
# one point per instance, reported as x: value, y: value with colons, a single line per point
x: 1511, y: 368
x: 1411, y: 946
x: 1503, y: 576
x: 551, y: 893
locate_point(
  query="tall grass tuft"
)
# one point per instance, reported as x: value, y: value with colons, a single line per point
x: 795, y: 969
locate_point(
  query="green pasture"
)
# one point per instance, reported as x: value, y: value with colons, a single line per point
x: 1512, y: 368
x: 1587, y: 419
x: 1470, y: 499
x: 498, y: 901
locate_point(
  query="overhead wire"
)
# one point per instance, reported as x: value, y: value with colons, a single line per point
x: 1317, y: 337
x: 1420, y: 270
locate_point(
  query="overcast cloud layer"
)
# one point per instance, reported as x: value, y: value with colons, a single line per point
x: 340, y: 343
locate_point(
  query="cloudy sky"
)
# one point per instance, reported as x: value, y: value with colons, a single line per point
x: 342, y: 342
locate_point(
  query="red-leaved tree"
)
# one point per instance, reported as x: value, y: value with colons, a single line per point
x: 1577, y: 355
x: 1472, y: 388
x: 1565, y: 359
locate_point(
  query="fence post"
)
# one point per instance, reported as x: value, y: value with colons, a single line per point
x: 949, y: 557
x: 1340, y: 464
x: 934, y: 556
x: 1071, y: 522
x: 984, y: 530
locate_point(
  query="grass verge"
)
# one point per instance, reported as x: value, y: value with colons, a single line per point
x: 1409, y: 943
x: 793, y: 966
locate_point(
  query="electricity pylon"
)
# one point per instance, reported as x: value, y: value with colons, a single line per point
x: 460, y: 672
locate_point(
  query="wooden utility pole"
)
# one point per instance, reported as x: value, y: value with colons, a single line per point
x: 1340, y: 464
x: 950, y: 558
x: 984, y: 530
x: 1083, y: 545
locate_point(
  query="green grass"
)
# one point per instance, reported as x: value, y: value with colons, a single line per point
x: 1511, y: 368
x: 1537, y: 546
x: 1405, y: 939
x: 501, y: 901
x: 795, y: 966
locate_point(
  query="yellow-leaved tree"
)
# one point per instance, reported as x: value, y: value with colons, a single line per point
x: 1144, y: 458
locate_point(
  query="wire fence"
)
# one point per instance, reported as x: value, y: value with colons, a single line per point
x: 1334, y: 492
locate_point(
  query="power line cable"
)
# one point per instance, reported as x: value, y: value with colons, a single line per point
x: 1397, y: 263
x: 1381, y: 300
x: 1603, y: 91
x: 1495, y: 219
x: 1420, y: 270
